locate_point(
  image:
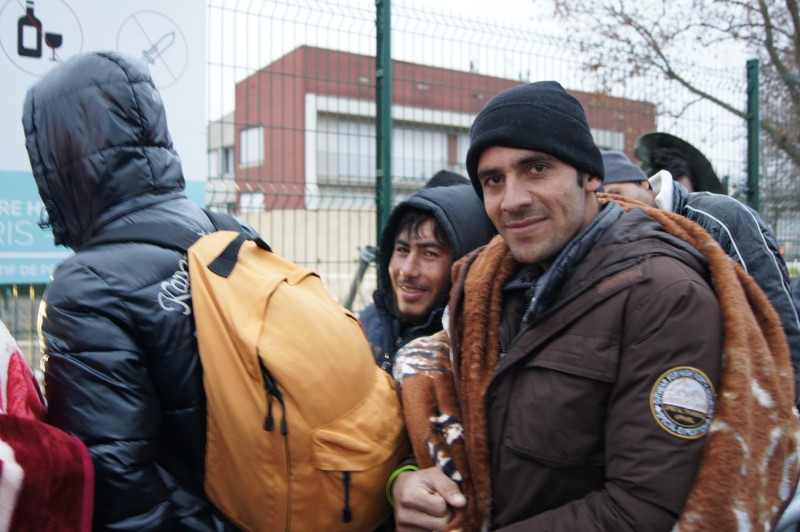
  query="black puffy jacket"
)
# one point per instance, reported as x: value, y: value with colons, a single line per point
x: 122, y: 369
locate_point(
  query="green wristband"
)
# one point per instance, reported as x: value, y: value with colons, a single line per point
x: 394, y: 476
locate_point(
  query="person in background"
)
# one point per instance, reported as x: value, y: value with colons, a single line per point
x: 740, y: 230
x: 625, y: 179
x: 424, y: 235
x: 796, y: 295
x: 687, y: 165
x: 46, y: 475
x: 122, y: 369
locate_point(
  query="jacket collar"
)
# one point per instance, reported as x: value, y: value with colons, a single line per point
x: 549, y: 285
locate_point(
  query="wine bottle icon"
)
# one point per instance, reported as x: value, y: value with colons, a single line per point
x: 29, y: 33
x: 53, y: 41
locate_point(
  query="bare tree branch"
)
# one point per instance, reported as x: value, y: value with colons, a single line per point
x: 637, y: 39
x: 789, y: 78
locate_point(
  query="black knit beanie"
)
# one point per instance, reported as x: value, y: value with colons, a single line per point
x: 446, y: 178
x: 539, y: 116
x: 620, y: 169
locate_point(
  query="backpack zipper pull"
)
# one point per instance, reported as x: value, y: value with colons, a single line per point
x: 347, y: 514
x: 269, y: 422
x: 272, y: 391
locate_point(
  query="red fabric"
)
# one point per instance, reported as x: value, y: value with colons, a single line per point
x: 22, y: 390
x: 46, y: 475
x: 57, y: 491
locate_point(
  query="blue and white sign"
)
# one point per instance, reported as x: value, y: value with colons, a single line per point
x: 35, y: 35
x: 27, y: 253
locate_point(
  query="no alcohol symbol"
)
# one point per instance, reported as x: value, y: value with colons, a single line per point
x: 30, y: 34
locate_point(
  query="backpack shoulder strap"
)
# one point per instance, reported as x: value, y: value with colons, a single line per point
x: 223, y: 221
x: 182, y: 238
x: 158, y: 234
x: 169, y: 236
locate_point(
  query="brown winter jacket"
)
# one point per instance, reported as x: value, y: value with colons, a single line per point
x: 573, y: 411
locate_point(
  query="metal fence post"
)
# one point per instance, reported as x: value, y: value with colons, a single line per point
x: 753, y: 141
x: 383, y: 98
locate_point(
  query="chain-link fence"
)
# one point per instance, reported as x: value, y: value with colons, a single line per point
x: 293, y: 94
x: 19, y: 309
x: 292, y: 121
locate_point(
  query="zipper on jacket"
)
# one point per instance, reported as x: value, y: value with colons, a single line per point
x: 347, y: 513
x: 387, y: 362
x: 272, y: 391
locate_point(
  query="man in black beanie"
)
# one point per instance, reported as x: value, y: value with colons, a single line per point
x: 625, y: 178
x: 585, y: 405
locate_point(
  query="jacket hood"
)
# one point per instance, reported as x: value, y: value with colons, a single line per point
x: 97, y: 138
x: 457, y: 209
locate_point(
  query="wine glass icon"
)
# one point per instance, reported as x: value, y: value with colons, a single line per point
x: 53, y: 41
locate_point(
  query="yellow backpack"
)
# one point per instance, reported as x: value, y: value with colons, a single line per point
x: 304, y: 429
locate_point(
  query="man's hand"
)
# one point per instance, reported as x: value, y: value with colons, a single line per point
x: 423, y: 500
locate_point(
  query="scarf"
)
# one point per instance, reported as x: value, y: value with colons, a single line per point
x: 749, y: 467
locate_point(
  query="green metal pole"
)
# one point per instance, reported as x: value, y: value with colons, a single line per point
x: 383, y: 123
x: 753, y: 141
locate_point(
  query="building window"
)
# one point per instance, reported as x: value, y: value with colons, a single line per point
x: 227, y: 161
x: 346, y: 151
x: 462, y: 142
x: 418, y: 153
x: 609, y: 140
x: 251, y: 201
x: 251, y: 145
x: 327, y: 149
x: 213, y: 163
x: 356, y: 153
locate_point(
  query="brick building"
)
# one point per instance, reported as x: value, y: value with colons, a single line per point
x: 305, y: 127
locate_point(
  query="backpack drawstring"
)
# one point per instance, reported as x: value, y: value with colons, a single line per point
x: 269, y: 422
x: 347, y: 514
x: 272, y: 391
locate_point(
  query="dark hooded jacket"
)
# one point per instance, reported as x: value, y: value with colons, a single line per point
x: 122, y: 370
x: 460, y: 213
x: 796, y: 296
x: 747, y: 239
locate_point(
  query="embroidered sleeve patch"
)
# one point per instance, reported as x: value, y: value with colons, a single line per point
x: 682, y: 402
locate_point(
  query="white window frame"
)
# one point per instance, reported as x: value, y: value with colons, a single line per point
x: 251, y: 146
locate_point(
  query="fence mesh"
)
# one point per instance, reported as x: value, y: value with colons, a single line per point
x: 292, y: 113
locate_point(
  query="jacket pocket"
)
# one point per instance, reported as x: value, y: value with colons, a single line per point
x: 557, y: 404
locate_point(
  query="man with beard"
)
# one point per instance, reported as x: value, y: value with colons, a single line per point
x: 571, y: 339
